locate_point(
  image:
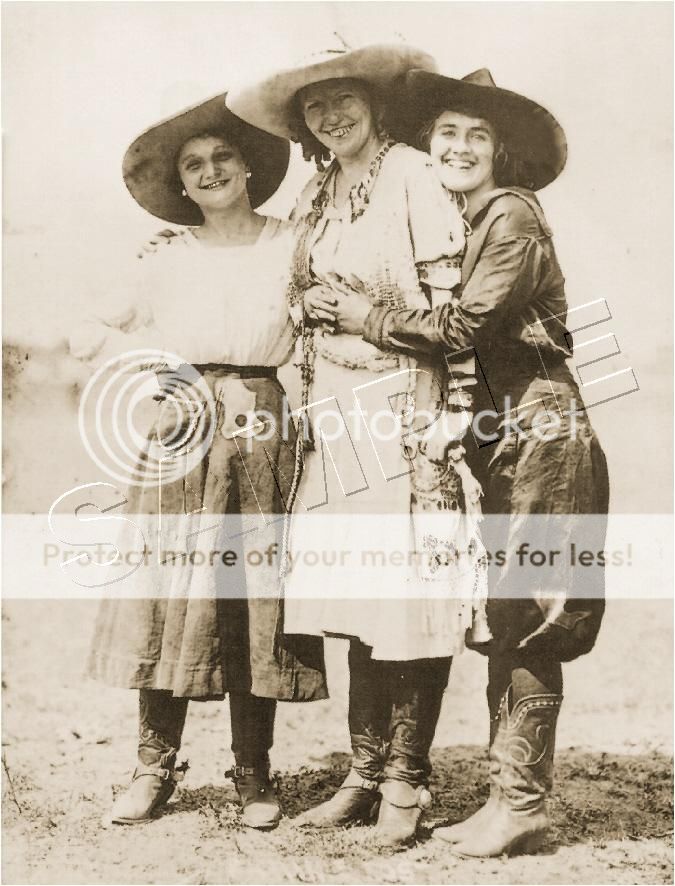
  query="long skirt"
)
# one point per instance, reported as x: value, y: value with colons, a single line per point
x: 546, y: 503
x: 203, y: 614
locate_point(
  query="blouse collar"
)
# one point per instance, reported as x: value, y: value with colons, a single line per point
x: 359, y: 194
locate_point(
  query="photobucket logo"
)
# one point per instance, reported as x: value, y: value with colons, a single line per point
x: 143, y: 433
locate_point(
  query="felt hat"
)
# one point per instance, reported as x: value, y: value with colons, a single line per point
x: 530, y: 133
x: 149, y: 166
x: 268, y: 103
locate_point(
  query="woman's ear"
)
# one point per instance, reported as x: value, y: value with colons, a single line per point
x: 500, y: 160
x: 380, y: 125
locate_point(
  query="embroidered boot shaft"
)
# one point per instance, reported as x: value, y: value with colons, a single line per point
x: 521, y: 775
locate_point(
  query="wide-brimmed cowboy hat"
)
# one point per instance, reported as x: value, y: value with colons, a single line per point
x: 268, y: 103
x: 530, y: 133
x: 149, y: 165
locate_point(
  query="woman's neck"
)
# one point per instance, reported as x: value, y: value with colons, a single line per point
x: 474, y: 199
x: 234, y: 226
x: 354, y: 168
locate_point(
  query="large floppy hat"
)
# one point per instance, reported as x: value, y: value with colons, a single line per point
x: 149, y: 165
x: 530, y: 133
x: 268, y: 103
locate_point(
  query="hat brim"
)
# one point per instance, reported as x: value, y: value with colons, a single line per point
x: 529, y: 131
x: 149, y: 166
x: 268, y: 103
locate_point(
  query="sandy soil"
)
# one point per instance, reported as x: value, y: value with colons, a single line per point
x: 69, y: 744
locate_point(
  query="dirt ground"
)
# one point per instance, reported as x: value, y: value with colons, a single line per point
x: 68, y: 745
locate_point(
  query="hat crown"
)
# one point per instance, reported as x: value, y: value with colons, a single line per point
x: 481, y: 77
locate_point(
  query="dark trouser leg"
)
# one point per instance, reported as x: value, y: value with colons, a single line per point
x: 417, y: 689
x: 369, y: 711
x: 160, y: 724
x: 252, y: 723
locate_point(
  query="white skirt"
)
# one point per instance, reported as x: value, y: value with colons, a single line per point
x: 354, y: 569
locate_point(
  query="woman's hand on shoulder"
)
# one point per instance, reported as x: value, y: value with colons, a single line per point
x: 164, y: 237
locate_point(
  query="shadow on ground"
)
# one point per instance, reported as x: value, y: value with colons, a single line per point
x: 597, y: 796
x: 603, y: 804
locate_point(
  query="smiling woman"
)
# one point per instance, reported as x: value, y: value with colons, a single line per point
x: 379, y: 222
x: 337, y: 115
x: 464, y: 149
x: 513, y: 312
x: 215, y: 296
x: 214, y: 172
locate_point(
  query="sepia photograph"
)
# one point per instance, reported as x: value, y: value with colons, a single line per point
x: 337, y: 430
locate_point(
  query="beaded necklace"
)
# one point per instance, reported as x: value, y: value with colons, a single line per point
x: 359, y: 198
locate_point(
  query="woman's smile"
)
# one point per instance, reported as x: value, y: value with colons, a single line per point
x: 213, y: 172
x: 463, y: 149
x: 216, y: 185
x: 338, y: 114
x: 339, y: 131
x: 455, y: 163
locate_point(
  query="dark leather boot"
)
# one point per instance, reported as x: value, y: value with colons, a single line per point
x: 355, y: 802
x: 357, y: 798
x: 258, y: 794
x: 401, y: 808
x: 417, y: 691
x: 161, y: 722
x: 521, y: 771
x: 252, y: 723
x: 528, y: 674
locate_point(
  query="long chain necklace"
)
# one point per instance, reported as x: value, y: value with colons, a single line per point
x: 359, y: 195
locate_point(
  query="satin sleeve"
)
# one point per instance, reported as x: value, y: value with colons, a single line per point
x: 505, y: 279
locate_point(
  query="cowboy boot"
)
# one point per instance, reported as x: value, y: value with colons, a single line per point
x: 455, y: 833
x: 521, y: 770
x: 161, y: 722
x: 357, y: 798
x: 417, y: 690
x: 252, y: 723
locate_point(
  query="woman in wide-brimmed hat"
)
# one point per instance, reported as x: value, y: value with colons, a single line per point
x: 548, y: 476
x: 206, y: 625
x: 389, y: 558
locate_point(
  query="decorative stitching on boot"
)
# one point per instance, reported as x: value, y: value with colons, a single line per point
x: 525, y: 705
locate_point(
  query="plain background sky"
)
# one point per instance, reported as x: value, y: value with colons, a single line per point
x: 81, y: 80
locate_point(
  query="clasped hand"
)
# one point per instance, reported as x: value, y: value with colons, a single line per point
x: 340, y: 305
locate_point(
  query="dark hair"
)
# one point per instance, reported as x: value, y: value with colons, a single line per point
x: 508, y: 168
x: 312, y: 149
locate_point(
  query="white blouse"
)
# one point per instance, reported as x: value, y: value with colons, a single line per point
x: 204, y: 303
